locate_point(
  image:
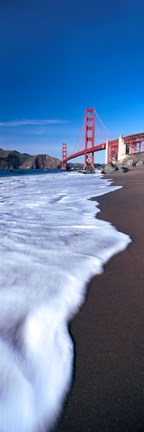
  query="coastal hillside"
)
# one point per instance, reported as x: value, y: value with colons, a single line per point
x: 12, y: 160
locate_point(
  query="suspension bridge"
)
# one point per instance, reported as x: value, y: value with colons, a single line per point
x: 115, y: 149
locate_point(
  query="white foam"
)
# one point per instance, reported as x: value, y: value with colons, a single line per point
x: 51, y: 245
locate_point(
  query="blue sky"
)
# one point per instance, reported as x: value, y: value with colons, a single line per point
x: 59, y: 57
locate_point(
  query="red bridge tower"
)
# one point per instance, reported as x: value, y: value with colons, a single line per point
x: 89, y: 137
x: 64, y: 156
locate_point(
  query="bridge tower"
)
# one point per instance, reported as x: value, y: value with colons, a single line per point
x: 64, y: 156
x: 89, y: 137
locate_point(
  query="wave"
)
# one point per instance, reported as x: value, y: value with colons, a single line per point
x: 51, y: 245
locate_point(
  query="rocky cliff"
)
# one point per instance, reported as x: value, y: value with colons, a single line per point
x: 131, y: 161
x: 135, y: 159
x: 44, y: 161
x: 13, y: 160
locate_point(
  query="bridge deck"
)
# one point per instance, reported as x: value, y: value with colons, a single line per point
x: 127, y: 139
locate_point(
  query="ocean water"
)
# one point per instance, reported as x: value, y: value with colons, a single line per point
x: 51, y: 245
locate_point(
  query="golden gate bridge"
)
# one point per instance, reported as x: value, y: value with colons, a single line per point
x: 116, y: 149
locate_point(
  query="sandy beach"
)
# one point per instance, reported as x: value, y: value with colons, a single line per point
x: 108, y: 390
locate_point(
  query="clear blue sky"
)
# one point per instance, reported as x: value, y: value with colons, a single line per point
x: 60, y: 56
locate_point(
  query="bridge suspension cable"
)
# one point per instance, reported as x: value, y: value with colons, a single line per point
x: 79, y: 142
x: 101, y: 136
x: 110, y: 135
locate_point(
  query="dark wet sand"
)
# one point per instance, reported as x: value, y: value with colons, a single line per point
x: 108, y: 389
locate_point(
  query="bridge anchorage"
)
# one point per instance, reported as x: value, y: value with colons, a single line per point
x: 116, y: 149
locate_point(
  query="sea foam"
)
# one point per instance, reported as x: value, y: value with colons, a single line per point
x: 51, y: 245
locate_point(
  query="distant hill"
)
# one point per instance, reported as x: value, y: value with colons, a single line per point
x: 12, y: 160
x: 79, y: 166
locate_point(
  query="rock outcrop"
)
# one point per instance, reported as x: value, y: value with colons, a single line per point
x: 133, y: 160
x: 108, y: 168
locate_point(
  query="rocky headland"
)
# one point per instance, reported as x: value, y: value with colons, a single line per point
x: 12, y: 160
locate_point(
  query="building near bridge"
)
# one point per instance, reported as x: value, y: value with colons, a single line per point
x: 118, y: 149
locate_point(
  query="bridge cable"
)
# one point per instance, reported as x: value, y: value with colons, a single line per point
x: 106, y: 129
x: 78, y: 146
x: 100, y: 133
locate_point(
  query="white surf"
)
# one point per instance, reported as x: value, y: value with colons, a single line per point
x: 51, y: 245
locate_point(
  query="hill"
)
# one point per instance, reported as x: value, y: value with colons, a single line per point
x: 12, y: 160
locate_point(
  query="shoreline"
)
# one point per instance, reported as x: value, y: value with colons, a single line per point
x: 108, y: 332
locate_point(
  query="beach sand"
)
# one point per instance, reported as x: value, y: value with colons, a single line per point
x: 108, y: 389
